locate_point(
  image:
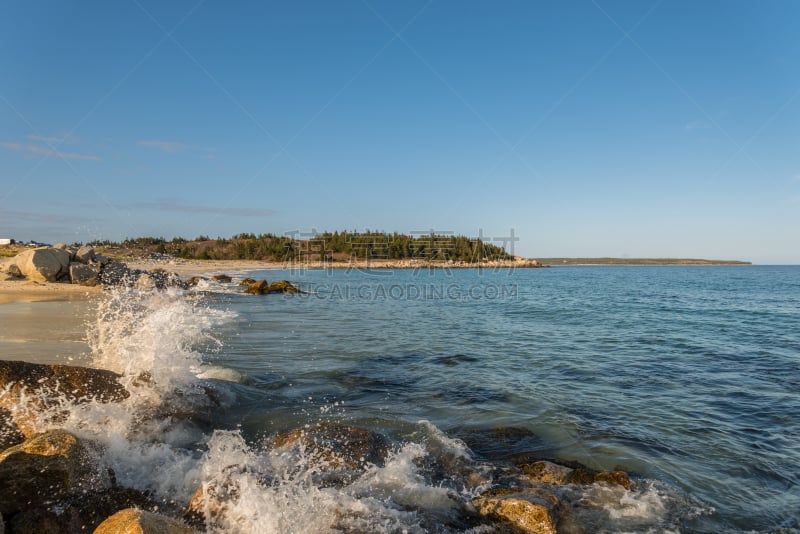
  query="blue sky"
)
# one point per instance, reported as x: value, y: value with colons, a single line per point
x: 590, y: 128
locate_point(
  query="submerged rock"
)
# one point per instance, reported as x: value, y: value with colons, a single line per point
x: 135, y: 521
x: 223, y: 278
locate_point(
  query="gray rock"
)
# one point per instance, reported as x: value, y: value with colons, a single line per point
x: 14, y: 272
x: 43, y: 264
x: 116, y: 273
x: 85, y: 254
x: 85, y: 275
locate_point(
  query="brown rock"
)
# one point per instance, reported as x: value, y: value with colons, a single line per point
x: 82, y: 513
x: 524, y: 510
x: 48, y: 466
x: 42, y: 385
x: 547, y: 472
x: 283, y: 286
x: 10, y: 433
x: 194, y: 280
x: 258, y: 288
x: 135, y: 521
x: 223, y: 278
x: 247, y: 282
x: 336, y: 446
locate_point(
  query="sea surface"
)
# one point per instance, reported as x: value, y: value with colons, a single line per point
x: 687, y: 377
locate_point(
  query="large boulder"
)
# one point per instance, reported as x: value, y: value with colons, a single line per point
x: 85, y: 254
x: 77, y: 513
x: 222, y: 278
x: 43, y: 264
x: 28, y: 388
x: 82, y: 274
x: 135, y: 521
x: 47, y: 466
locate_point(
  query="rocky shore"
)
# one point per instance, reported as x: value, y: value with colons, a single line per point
x: 52, y: 480
x: 63, y: 272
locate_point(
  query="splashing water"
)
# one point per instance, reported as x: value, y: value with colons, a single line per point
x: 157, y: 440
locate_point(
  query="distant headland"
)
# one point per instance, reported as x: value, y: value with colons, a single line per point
x: 638, y: 261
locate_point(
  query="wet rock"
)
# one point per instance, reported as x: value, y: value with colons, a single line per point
x: 10, y: 433
x: 116, y: 273
x: 258, y: 288
x: 547, y: 472
x: 82, y: 513
x: 50, y: 465
x: 526, y: 510
x: 222, y: 278
x: 208, y: 503
x: 502, y: 443
x: 145, y: 282
x: 247, y: 281
x: 283, y: 286
x: 85, y: 254
x: 135, y: 521
x: 551, y: 473
x: 26, y: 389
x: 194, y: 280
x: 85, y: 275
x: 43, y: 264
x: 335, y: 446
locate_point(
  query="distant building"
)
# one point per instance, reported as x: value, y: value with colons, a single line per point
x: 5, y: 241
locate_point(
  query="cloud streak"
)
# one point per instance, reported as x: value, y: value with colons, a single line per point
x: 174, y: 207
x: 172, y: 147
x: 36, y: 150
x: 697, y: 125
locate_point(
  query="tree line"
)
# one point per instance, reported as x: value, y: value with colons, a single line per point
x: 329, y: 246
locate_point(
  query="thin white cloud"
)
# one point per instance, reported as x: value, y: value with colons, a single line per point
x: 697, y: 125
x: 71, y: 139
x: 173, y: 147
x: 28, y: 148
x: 171, y: 206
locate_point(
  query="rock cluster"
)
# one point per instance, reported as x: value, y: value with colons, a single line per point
x: 262, y: 287
x: 52, y: 481
x: 59, y: 263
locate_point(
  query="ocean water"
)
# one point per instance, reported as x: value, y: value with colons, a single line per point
x: 686, y: 377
